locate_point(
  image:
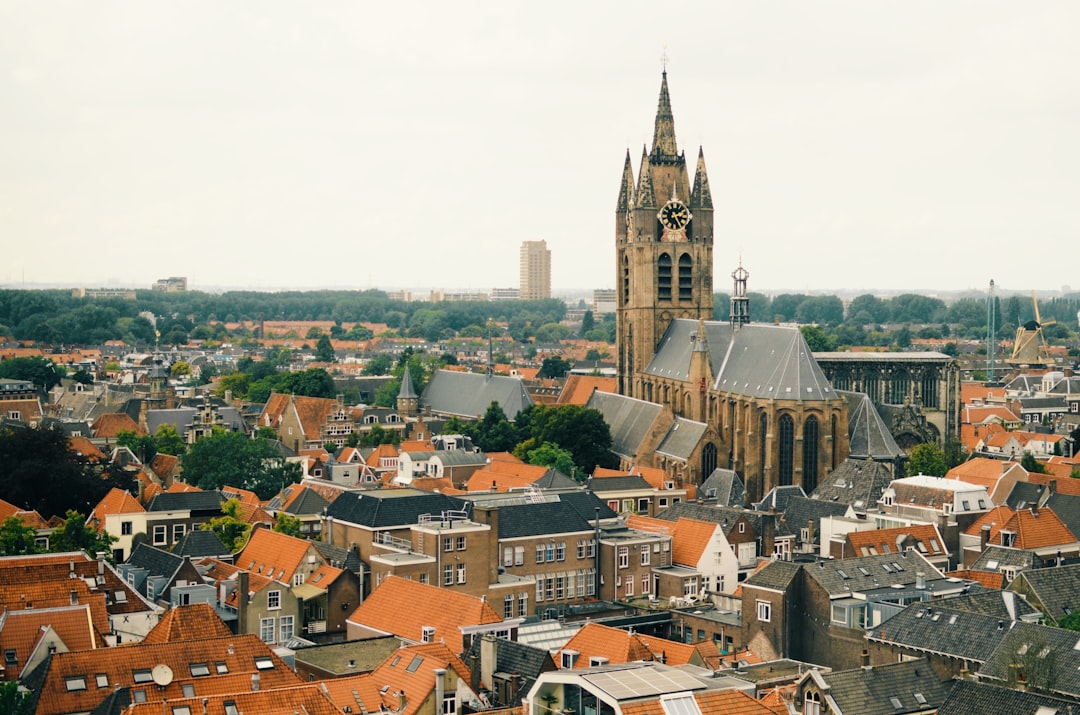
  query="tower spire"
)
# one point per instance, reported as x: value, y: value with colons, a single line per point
x: 701, y: 197
x: 663, y: 144
x: 626, y: 188
x: 646, y: 198
x: 740, y: 300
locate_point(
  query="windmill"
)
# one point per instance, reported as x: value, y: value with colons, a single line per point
x: 1030, y: 346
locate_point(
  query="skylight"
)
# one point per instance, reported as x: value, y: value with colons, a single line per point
x: 263, y: 663
x: 416, y: 661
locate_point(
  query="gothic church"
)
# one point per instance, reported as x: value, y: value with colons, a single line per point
x: 694, y: 393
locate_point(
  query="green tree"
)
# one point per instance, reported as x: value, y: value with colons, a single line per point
x: 951, y: 349
x: 180, y: 369
x: 1031, y: 464
x: 359, y: 332
x: 229, y: 527
x: 587, y: 323
x: 927, y: 458
x: 554, y: 366
x: 494, y: 432
x: 313, y: 333
x: 42, y: 372
x: 324, y: 350
x: 287, y: 524
x: 142, y: 446
x: 75, y: 535
x: 378, y: 365
x: 232, y: 459
x: 1071, y: 621
x: 15, y: 700
x: 82, y: 376
x: 169, y: 441
x: 16, y: 538
x: 817, y: 339
x: 550, y: 454
x: 575, y: 428
x: 902, y: 337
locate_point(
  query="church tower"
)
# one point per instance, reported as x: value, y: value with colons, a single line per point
x: 664, y: 242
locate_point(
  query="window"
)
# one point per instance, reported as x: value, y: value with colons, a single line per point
x: 787, y: 449
x: 810, y: 454
x: 539, y: 553
x: 221, y: 667
x: 75, y: 682
x: 287, y: 628
x: 102, y: 680
x: 645, y: 554
x: 742, y: 527
x: 160, y: 535
x: 624, y: 557
x: 508, y: 606
x: 139, y: 696
x: 461, y: 573
x: 459, y: 544
x: 178, y: 531
x: 643, y: 506
x: 273, y: 600
x: 966, y: 504
x: 550, y: 551
x: 125, y: 528
x: 581, y: 548
x: 448, y: 543
x: 764, y: 611
x: 690, y: 586
x: 645, y: 583
x: 424, y: 578
x: 230, y: 708
x: 812, y: 704
x: 508, y: 556
x: 560, y: 551
x: 523, y: 603
x: 181, y: 710
x: 188, y: 690
x: 448, y: 574
x: 263, y: 662
x: 449, y: 703
x: 613, y: 504
x: 519, y: 555
x: 266, y: 629
x: 199, y: 669
x: 11, y: 657
x: 663, y: 277
x: 142, y: 675
x: 629, y: 584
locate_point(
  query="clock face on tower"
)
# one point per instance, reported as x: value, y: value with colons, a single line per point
x: 674, y: 215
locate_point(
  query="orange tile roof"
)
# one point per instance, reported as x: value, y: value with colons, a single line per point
x: 416, y: 445
x: 165, y: 466
x: 971, y: 435
x: 1032, y: 532
x: 1063, y: 484
x: 180, y: 487
x: 237, y: 652
x: 989, y: 579
x: 504, y: 476
x: 728, y: 702
x: 884, y: 541
x: 186, y: 623
x: 56, y: 569
x: 387, y: 451
x: 443, y: 485
x: 308, y: 698
x: 85, y: 448
x: 503, y: 457
x: 21, y: 631
x: 689, y: 537
x: 52, y: 593
x: 979, y: 415
x: 219, y: 571
x: 112, y: 423
x: 395, y: 675
x: 117, y: 501
x: 615, y: 644
x: 579, y: 388
x: 28, y: 518
x: 443, y: 609
x: 971, y: 392
x: 244, y: 496
x: 271, y: 553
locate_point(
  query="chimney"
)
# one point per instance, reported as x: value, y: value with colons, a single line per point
x: 984, y: 537
x: 920, y: 580
x: 254, y: 682
x: 865, y: 658
x: 489, y: 657
x: 1051, y: 487
x: 440, y: 687
x: 241, y: 602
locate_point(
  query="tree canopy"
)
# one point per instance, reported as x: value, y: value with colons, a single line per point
x: 232, y: 459
x: 927, y: 458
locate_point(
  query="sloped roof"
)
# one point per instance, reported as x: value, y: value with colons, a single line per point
x: 935, y: 628
x: 195, y: 500
x: 615, y: 644
x: 801, y: 511
x: 629, y: 420
x: 467, y: 394
x: 858, y: 482
x: 987, y: 579
x: 116, y: 501
x: 268, y: 552
x: 1063, y: 676
x: 777, y: 575
x: 727, y: 486
x: 1034, y: 528
x: 198, y: 543
x: 22, y: 630
x: 514, y: 657
x: 868, y: 435
x: 428, y: 606
x: 971, y: 697
x: 186, y: 623
x: 689, y: 538
x: 385, y: 508
x: 682, y: 439
x: 110, y: 424
x: 84, y: 447
x: 579, y: 388
x: 997, y: 558
x: 1057, y: 588
x: 866, y: 573
x: 155, y: 561
x: 757, y: 360
x: 307, y: 698
x: 872, y: 691
x: 885, y: 541
x: 558, y: 517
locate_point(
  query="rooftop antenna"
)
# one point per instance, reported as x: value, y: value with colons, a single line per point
x: 990, y: 333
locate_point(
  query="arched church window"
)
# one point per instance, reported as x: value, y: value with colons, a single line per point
x: 763, y: 432
x: 625, y: 280
x: 929, y: 389
x: 787, y: 449
x: 835, y: 441
x: 686, y: 277
x: 811, y: 434
x: 708, y: 460
x: 663, y: 277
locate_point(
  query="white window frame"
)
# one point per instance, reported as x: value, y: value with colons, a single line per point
x: 267, y: 627
x: 273, y: 600
x: 764, y: 611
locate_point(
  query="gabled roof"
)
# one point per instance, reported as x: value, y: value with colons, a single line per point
x: 513, y: 657
x: 557, y: 517
x: 682, y: 438
x: 790, y: 372
x: 776, y: 575
x: 117, y: 501
x: 1027, y: 649
x: 689, y: 538
x: 385, y: 508
x: 934, y: 628
x: 970, y: 697
x: 924, y: 537
x: 165, y: 465
x: 1034, y: 528
x: 467, y: 394
x: 578, y: 388
x: 868, y: 435
x: 155, y: 561
x: 985, y: 415
x: 307, y: 698
x: 110, y: 424
x: 725, y: 486
x: 444, y: 610
x: 305, y: 501
x: 984, y: 471
x: 1056, y: 589
x: 311, y: 412
x: 85, y: 448
x: 194, y: 500
x: 866, y: 573
x: 198, y: 543
x: 615, y: 644
x: 186, y: 623
x: 629, y: 420
x: 998, y: 558
x: 801, y: 512
x: 273, y: 554
x: 891, y: 688
x: 22, y: 630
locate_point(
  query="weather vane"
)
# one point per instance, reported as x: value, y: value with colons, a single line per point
x: 663, y: 59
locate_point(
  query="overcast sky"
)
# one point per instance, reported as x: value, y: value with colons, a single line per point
x: 911, y: 144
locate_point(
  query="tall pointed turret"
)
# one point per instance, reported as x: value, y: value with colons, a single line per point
x: 646, y: 197
x: 408, y: 401
x: 663, y: 143
x: 701, y: 197
x: 626, y: 187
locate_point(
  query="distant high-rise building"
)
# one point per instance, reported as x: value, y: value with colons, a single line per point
x: 535, y: 270
x: 173, y: 284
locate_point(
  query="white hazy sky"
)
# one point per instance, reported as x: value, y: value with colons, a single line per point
x: 915, y: 144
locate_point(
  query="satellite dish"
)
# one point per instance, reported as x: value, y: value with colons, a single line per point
x: 162, y: 674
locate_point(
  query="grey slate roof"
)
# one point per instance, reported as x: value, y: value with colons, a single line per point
x: 1032, y: 646
x: 554, y: 479
x: 628, y: 419
x: 1024, y: 494
x: 934, y: 628
x: 865, y: 573
x: 467, y: 394
x: 155, y: 561
x: 393, y: 507
x: 758, y: 360
x: 406, y: 391
x: 994, y: 603
x: 726, y: 516
x: 519, y: 520
x: 778, y: 497
x: 871, y: 691
x: 198, y: 543
x: 725, y: 486
x: 182, y: 417
x: 513, y: 657
x: 969, y: 697
x: 682, y: 439
x: 309, y: 502
x: 585, y: 503
x: 1057, y: 588
x: 777, y: 575
x: 858, y: 482
x: 1067, y: 508
x: 1005, y: 557
x: 210, y: 500
x: 801, y: 511
x: 867, y: 433
x: 339, y: 557
x: 619, y: 484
